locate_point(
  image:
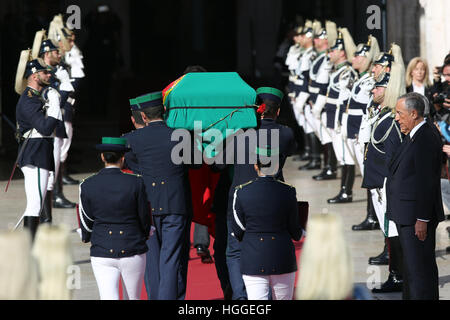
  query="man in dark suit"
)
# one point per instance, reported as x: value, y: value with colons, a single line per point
x: 168, y: 191
x: 414, y: 198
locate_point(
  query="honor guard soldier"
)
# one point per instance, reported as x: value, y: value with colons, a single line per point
x: 319, y: 80
x: 354, y: 112
x: 301, y: 88
x: 269, y: 100
x: 341, y: 81
x: 292, y: 63
x: 49, y: 52
x: 115, y: 217
x: 37, y: 114
x: 265, y: 227
x: 381, y: 65
x: 385, y: 140
x: 169, y: 194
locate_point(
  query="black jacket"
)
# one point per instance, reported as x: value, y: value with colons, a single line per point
x: 413, y: 185
x: 114, y: 214
x: 265, y: 221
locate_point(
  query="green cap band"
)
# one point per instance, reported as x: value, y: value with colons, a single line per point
x: 269, y: 90
x: 110, y: 140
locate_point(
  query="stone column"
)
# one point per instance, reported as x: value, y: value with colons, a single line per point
x: 435, y: 31
x: 403, y: 26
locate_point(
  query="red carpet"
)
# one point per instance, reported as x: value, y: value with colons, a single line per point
x: 202, y: 281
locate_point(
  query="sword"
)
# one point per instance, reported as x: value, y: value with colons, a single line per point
x: 17, y: 160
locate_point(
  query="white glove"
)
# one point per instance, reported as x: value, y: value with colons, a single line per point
x: 301, y: 101
x: 64, y: 78
x: 319, y: 105
x: 53, y: 104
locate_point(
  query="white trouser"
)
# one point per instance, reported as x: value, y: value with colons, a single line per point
x: 325, y: 133
x: 379, y: 204
x: 355, y: 152
x: 301, y: 120
x: 337, y: 146
x: 107, y: 272
x: 258, y: 286
x: 67, y: 141
x: 36, y: 180
x: 310, y: 123
x: 57, y: 144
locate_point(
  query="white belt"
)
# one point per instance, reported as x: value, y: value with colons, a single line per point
x: 36, y: 134
x: 313, y: 90
x: 298, y: 82
x: 332, y: 101
x: 355, y: 112
x: 292, y: 78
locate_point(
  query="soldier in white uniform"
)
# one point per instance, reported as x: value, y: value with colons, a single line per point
x: 301, y: 106
x: 319, y: 80
x: 341, y: 81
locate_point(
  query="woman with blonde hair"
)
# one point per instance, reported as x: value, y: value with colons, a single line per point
x: 18, y: 270
x: 417, y: 77
x: 326, y: 268
x: 52, y: 251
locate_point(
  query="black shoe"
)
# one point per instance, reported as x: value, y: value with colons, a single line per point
x: 380, y: 260
x: 305, y: 157
x: 326, y: 174
x: 59, y: 201
x: 202, y: 250
x: 367, y: 224
x: 342, y: 197
x: 312, y: 165
x: 394, y: 283
x: 447, y: 249
x: 67, y: 180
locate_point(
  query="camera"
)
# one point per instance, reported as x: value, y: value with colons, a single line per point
x: 445, y: 94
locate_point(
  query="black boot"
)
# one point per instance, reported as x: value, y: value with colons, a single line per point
x: 346, y: 193
x: 381, y: 259
x: 371, y: 222
x: 329, y: 171
x: 46, y: 214
x: 394, y: 283
x: 314, y: 162
x: 66, y: 179
x: 31, y: 223
x: 59, y: 200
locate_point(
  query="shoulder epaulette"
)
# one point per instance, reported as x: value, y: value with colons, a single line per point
x: 88, y: 177
x: 290, y: 185
x: 244, y: 184
x: 132, y: 174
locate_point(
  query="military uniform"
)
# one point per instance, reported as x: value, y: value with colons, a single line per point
x: 37, y: 118
x: 341, y: 82
x: 246, y: 172
x: 115, y: 217
x: 265, y: 227
x: 168, y: 191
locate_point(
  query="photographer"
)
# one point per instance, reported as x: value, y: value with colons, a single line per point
x: 441, y: 90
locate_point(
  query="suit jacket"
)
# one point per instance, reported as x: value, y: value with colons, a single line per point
x: 265, y: 221
x: 114, y: 214
x: 31, y: 114
x: 413, y: 185
x: 167, y: 183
